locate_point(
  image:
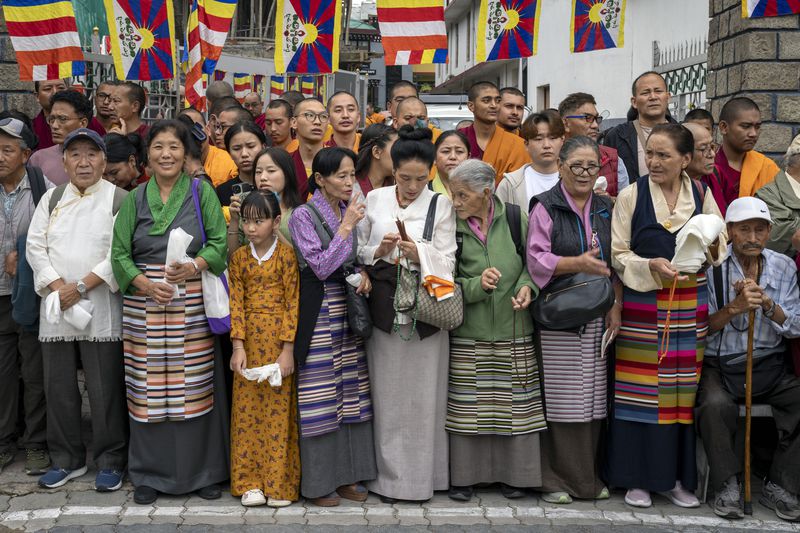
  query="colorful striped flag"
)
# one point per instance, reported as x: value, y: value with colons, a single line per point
x: 195, y: 79
x: 219, y: 75
x: 275, y: 87
x: 242, y: 84
x: 508, y: 29
x: 307, y: 36
x: 769, y: 8
x: 44, y: 35
x: 214, y: 17
x: 412, y: 31
x: 144, y: 43
x: 307, y: 86
x: 597, y: 25
x: 259, y: 85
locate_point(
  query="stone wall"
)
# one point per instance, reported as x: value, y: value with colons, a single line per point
x: 758, y: 58
x: 14, y: 94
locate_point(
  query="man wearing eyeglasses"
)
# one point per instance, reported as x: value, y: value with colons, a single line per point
x: 252, y: 102
x: 104, y: 118
x: 580, y: 116
x: 44, y: 91
x: 649, y: 101
x: 702, y: 163
x: 69, y: 110
x: 310, y: 121
x: 228, y: 118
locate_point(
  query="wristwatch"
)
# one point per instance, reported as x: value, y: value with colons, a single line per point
x: 769, y: 313
x: 81, y: 286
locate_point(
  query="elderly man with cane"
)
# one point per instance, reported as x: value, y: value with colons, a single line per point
x: 756, y: 282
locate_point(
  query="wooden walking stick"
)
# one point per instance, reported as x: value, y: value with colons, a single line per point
x: 748, y: 403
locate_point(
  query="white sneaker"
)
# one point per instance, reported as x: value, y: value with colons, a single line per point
x: 254, y: 497
x: 681, y: 497
x: 638, y: 498
x: 278, y: 503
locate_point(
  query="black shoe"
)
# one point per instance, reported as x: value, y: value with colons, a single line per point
x: 144, y: 495
x: 460, y: 494
x: 510, y: 492
x: 390, y: 501
x: 211, y: 492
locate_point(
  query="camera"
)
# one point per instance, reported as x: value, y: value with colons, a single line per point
x: 241, y: 189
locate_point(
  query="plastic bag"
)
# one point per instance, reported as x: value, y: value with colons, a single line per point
x: 217, y: 302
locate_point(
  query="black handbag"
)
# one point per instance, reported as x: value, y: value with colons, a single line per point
x: 571, y: 301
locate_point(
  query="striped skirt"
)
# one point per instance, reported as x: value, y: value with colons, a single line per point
x: 575, y: 375
x: 168, y: 354
x: 647, y: 390
x: 494, y: 388
x: 333, y: 384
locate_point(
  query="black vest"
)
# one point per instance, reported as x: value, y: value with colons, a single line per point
x: 568, y: 238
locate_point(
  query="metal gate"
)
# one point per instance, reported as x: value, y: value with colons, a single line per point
x: 684, y: 68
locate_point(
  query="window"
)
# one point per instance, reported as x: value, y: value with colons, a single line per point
x: 543, y: 97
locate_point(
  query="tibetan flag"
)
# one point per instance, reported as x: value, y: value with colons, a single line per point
x: 769, y: 8
x: 242, y: 85
x: 509, y: 31
x: 214, y: 17
x: 275, y: 87
x: 597, y: 25
x: 259, y: 85
x: 307, y: 38
x: 144, y: 46
x: 195, y: 78
x: 412, y: 31
x: 44, y: 35
x: 307, y: 86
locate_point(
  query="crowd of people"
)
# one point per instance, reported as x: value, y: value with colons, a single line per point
x: 533, y: 303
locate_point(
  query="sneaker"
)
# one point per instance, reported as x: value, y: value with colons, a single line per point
x: 56, y: 477
x: 784, y: 504
x: 37, y: 462
x: 278, y: 503
x: 460, y: 494
x: 253, y: 497
x: 638, y: 498
x: 728, y: 501
x: 6, y: 458
x: 603, y: 494
x: 681, y: 497
x: 559, y: 498
x: 108, y: 480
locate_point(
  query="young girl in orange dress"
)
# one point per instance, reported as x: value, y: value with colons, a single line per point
x: 264, y: 291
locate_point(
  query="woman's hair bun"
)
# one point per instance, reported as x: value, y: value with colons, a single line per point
x: 410, y: 133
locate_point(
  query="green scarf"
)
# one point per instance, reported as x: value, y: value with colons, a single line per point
x: 164, y: 213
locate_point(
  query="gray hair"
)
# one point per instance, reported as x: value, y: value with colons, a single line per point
x: 475, y: 174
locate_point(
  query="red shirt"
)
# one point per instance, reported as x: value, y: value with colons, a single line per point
x: 302, y: 176
x: 724, y: 182
x: 261, y: 121
x: 42, y: 130
x: 475, y: 151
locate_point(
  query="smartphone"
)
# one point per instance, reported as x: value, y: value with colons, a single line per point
x: 401, y: 228
x: 241, y: 188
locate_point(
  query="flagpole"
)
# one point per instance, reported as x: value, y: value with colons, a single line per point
x: 349, y: 5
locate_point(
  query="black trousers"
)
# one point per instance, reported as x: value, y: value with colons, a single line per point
x: 105, y: 383
x: 717, y: 414
x: 20, y: 355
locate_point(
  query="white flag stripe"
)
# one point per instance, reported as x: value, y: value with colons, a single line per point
x: 402, y: 57
x: 216, y: 38
x: 412, y: 29
x: 45, y: 42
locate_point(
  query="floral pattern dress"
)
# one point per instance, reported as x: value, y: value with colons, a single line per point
x: 264, y: 304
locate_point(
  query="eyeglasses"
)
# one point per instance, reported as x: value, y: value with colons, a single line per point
x: 104, y: 96
x: 219, y: 126
x: 311, y: 116
x: 707, y: 149
x: 578, y: 170
x: 61, y: 119
x: 589, y: 118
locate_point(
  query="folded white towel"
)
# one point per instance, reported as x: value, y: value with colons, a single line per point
x: 271, y: 373
x: 693, y: 240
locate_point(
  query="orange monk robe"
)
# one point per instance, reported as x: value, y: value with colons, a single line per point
x: 293, y: 146
x: 505, y: 151
x: 375, y: 118
x: 219, y: 166
x: 331, y: 142
x: 757, y: 171
x: 328, y: 133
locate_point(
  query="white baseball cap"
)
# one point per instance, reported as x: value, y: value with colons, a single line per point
x: 747, y: 208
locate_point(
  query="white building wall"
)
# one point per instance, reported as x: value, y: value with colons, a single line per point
x: 607, y: 74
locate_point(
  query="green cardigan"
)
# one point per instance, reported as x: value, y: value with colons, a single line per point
x: 784, y: 208
x: 489, y: 316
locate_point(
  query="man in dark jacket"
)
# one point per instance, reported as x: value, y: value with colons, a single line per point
x: 649, y: 101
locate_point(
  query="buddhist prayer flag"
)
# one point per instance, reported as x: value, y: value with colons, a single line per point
x: 507, y: 29
x: 195, y: 79
x: 412, y: 31
x: 259, y: 85
x: 242, y: 84
x: 307, y: 36
x: 769, y: 8
x: 45, y: 38
x: 275, y: 87
x: 143, y: 45
x: 307, y: 86
x: 219, y: 75
x: 597, y: 25
x: 214, y: 18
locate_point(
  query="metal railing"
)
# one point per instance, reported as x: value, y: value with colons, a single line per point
x: 684, y: 68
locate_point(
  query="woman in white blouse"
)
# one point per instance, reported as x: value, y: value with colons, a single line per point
x: 81, y: 315
x: 408, y: 360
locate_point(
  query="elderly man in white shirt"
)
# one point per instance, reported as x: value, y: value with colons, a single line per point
x: 68, y: 247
